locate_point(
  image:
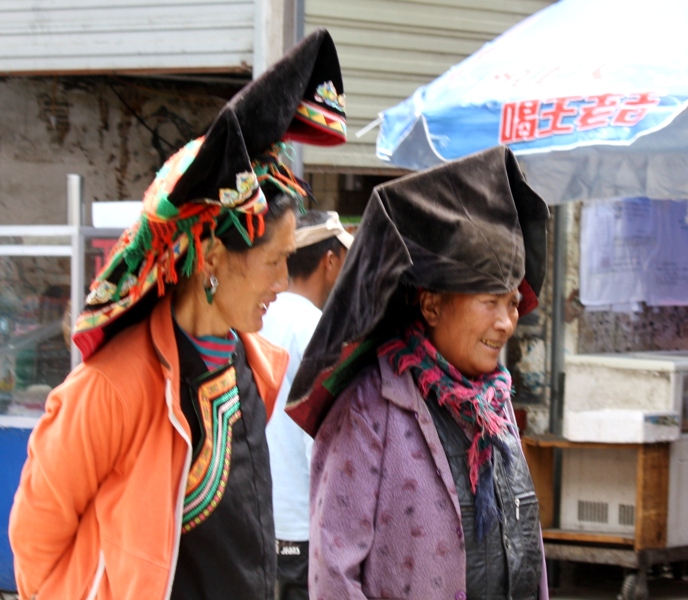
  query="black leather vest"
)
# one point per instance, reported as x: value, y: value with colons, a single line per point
x: 507, y: 563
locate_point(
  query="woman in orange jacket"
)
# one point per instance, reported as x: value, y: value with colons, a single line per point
x: 148, y: 476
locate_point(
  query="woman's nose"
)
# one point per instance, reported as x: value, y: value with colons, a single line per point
x: 282, y: 281
x: 507, y: 317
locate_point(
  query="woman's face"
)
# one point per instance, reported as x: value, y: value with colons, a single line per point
x: 469, y: 330
x: 250, y: 281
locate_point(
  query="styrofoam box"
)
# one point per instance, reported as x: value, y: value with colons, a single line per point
x: 119, y: 214
x: 621, y: 426
x: 644, y: 381
x: 598, y: 489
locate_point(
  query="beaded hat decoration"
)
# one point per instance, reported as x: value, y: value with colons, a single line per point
x: 213, y: 183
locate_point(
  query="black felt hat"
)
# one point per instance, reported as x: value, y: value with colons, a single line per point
x: 299, y: 98
x: 302, y: 95
x: 218, y: 178
x: 470, y: 226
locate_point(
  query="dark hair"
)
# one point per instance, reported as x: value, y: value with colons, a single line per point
x: 403, y: 308
x: 278, y: 205
x: 305, y: 260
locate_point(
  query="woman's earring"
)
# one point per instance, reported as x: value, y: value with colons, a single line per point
x: 210, y: 288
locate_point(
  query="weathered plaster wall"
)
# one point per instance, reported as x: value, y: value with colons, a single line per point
x: 661, y: 328
x: 529, y: 352
x: 50, y: 127
x: 528, y: 357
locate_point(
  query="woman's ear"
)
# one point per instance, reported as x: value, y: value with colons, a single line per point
x: 212, y: 251
x: 430, y: 306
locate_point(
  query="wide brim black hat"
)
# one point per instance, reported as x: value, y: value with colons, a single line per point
x: 469, y: 226
x: 217, y: 176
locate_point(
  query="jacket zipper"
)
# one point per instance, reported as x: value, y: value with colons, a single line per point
x: 517, y: 502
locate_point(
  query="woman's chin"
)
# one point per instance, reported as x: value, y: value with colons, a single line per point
x: 484, y: 368
x: 253, y: 325
x: 256, y: 326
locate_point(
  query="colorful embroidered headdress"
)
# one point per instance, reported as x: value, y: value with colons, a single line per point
x: 215, y: 182
x: 470, y: 226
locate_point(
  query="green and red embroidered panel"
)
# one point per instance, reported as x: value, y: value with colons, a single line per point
x: 220, y: 408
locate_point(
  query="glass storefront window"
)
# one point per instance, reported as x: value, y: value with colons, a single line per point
x: 34, y: 330
x: 35, y: 320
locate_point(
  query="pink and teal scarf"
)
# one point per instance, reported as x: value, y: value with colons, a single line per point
x: 477, y: 405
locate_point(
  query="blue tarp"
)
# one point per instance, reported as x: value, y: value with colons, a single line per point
x: 13, y: 444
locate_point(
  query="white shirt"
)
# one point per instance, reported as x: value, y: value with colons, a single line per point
x: 290, y: 323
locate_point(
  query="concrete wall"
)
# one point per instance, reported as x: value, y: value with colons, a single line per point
x: 50, y: 127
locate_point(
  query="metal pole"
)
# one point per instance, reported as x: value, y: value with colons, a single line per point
x: 300, y: 10
x: 558, y: 303
x: 557, y: 348
x: 298, y: 28
x: 260, y: 60
x: 75, y: 193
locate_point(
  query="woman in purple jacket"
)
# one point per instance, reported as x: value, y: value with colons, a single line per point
x: 419, y: 487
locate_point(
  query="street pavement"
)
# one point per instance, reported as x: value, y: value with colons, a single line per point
x: 658, y: 590
x: 591, y: 584
x: 579, y: 581
x: 664, y: 589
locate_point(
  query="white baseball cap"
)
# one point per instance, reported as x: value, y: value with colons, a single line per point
x: 312, y: 234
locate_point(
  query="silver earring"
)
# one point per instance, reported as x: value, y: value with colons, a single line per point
x: 210, y: 288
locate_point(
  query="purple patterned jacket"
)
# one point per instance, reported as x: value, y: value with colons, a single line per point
x: 385, y: 517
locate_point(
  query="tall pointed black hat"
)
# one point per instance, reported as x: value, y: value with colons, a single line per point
x: 217, y: 178
x: 470, y: 226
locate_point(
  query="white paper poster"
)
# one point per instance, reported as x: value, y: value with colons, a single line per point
x: 634, y: 250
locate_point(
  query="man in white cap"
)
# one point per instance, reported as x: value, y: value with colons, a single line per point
x: 322, y: 244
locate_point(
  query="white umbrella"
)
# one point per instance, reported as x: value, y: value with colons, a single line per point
x: 590, y: 95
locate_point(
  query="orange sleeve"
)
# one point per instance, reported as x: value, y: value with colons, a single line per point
x: 71, y: 450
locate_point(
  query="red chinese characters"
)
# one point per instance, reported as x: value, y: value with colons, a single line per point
x: 555, y: 114
x: 530, y: 120
x: 519, y: 122
x: 634, y: 109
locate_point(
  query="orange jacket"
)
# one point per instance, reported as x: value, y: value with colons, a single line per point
x: 99, y: 505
